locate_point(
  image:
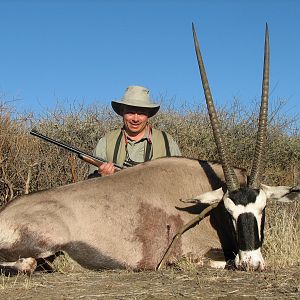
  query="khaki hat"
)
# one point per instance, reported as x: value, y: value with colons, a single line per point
x: 136, y: 96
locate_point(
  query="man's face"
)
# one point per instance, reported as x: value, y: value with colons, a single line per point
x: 135, y: 119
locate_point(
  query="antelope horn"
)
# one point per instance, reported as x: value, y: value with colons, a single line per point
x: 230, y: 176
x: 258, y: 158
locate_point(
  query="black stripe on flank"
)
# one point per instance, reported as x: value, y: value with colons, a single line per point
x: 91, y: 258
x: 247, y: 232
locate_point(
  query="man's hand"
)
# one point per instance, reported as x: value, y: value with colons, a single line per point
x: 106, y: 169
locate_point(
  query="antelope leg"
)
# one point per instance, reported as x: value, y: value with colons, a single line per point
x: 22, y: 265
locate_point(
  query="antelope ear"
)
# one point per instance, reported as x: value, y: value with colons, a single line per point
x: 282, y: 193
x: 208, y: 197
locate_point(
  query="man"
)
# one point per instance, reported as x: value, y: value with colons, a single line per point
x: 136, y: 141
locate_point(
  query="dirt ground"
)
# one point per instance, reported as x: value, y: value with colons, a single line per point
x: 171, y: 283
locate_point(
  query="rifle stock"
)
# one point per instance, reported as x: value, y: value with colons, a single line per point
x: 91, y: 159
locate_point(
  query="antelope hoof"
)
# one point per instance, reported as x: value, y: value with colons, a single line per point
x: 26, y: 265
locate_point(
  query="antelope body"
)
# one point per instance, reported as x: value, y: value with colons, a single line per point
x: 102, y: 223
x: 128, y: 220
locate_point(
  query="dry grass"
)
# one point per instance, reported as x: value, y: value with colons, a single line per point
x: 65, y: 264
x: 282, y: 238
x: 8, y: 282
x: 169, y: 284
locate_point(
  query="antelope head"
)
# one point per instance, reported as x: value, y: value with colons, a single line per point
x: 245, y: 205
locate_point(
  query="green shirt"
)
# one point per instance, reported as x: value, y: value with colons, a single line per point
x: 135, y: 149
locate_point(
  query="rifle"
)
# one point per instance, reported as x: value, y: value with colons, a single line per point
x: 91, y: 159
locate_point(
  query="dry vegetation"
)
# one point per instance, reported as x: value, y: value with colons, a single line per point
x: 28, y: 164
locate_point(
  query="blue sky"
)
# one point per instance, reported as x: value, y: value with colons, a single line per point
x: 90, y: 51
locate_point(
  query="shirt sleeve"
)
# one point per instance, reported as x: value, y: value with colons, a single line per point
x: 99, y: 151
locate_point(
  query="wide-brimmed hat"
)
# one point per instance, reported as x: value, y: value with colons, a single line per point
x: 136, y: 96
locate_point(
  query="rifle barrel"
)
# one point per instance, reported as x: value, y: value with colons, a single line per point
x: 79, y: 153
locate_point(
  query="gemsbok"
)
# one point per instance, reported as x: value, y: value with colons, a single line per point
x: 128, y: 220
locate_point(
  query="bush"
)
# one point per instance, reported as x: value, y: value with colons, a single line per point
x: 29, y: 164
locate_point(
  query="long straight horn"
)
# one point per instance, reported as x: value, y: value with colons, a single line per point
x: 230, y: 177
x: 258, y: 159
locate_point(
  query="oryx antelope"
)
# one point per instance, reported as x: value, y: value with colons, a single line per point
x: 127, y: 220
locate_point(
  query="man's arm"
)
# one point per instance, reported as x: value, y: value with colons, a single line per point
x: 99, y: 150
x: 107, y: 168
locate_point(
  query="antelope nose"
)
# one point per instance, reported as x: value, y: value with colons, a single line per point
x: 250, y: 261
x: 251, y: 266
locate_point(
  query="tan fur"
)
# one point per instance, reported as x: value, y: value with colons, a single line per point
x: 123, y: 220
x: 155, y: 224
